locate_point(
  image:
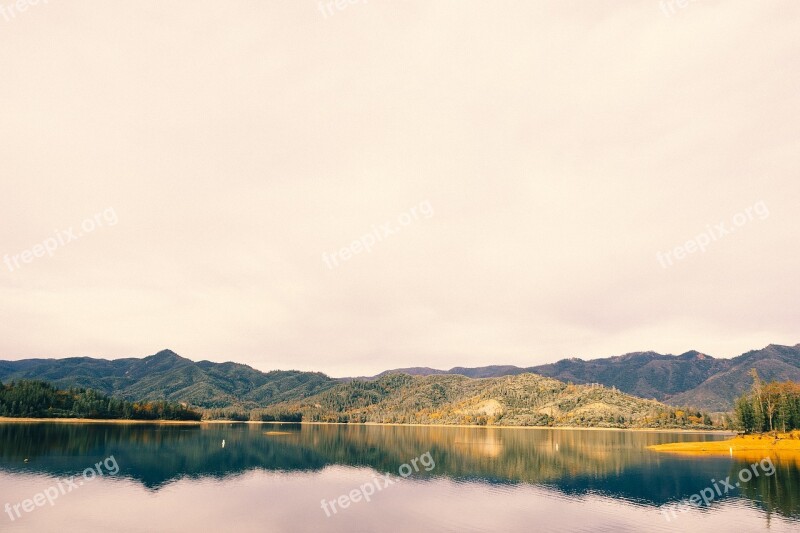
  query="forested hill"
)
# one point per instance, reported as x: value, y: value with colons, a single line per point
x: 522, y: 400
x: 167, y: 376
x: 37, y: 399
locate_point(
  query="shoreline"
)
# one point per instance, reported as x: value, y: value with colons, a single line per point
x: 202, y: 422
x: 7, y: 419
x: 586, y: 428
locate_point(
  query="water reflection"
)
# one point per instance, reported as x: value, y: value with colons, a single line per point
x: 614, y: 464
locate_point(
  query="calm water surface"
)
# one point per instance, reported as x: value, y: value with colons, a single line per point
x: 273, y: 478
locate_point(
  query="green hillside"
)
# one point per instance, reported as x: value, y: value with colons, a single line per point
x: 167, y: 376
x: 522, y: 400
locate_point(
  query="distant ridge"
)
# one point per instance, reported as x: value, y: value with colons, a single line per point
x: 691, y: 378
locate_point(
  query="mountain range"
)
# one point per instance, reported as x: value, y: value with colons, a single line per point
x: 690, y: 379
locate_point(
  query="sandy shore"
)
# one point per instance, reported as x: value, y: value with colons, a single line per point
x: 741, y: 445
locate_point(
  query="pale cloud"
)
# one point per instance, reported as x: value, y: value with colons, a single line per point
x: 561, y: 144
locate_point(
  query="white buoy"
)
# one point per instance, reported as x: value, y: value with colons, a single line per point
x: 731, y: 450
x: 223, y: 443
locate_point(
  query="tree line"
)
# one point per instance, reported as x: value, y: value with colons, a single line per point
x: 769, y: 406
x: 38, y: 399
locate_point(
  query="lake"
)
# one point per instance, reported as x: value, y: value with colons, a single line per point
x: 340, y: 478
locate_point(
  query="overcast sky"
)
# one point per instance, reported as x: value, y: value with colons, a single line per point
x: 519, y: 166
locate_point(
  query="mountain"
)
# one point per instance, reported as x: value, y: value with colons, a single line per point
x: 692, y: 378
x: 521, y: 400
x: 719, y: 391
x: 167, y: 376
x: 643, y: 374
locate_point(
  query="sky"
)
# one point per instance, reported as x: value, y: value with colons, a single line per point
x: 394, y: 183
